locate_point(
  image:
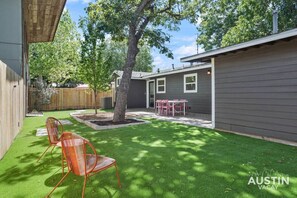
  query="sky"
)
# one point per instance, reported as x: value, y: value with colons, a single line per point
x: 183, y: 42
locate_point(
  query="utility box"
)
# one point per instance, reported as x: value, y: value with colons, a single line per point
x: 106, y: 103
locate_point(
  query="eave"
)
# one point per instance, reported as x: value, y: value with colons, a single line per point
x: 42, y: 19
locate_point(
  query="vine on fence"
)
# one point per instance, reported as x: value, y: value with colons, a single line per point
x: 42, y: 94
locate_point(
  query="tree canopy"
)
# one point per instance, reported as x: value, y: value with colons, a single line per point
x: 57, y: 61
x: 139, y: 22
x: 95, y: 68
x: 151, y: 18
x: 228, y: 22
x: 117, y: 50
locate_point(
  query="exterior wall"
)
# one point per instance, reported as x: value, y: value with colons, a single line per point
x: 12, y: 105
x: 13, y: 53
x: 137, y: 94
x: 199, y: 102
x: 256, y: 91
x: 11, y: 34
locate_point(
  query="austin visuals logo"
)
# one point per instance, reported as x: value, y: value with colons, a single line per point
x: 268, y: 179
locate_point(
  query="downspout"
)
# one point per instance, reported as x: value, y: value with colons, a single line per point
x: 213, y: 103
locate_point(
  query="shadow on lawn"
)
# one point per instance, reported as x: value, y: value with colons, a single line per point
x: 172, y: 160
x: 164, y: 159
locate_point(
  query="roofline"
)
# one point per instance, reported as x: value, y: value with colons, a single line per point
x: 132, y: 78
x: 51, y: 38
x: 260, y: 41
x: 135, y: 78
x: 197, y: 67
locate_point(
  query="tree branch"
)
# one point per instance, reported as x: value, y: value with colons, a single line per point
x: 143, y: 5
x: 168, y: 11
x: 142, y: 27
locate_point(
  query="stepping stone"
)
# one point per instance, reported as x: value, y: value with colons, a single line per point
x: 66, y: 122
x: 80, y: 111
x: 41, y: 132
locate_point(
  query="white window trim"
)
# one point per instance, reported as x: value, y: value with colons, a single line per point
x: 159, y: 79
x: 118, y: 81
x: 148, y: 92
x: 196, y: 80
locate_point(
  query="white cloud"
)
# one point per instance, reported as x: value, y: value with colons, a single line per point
x: 186, y: 38
x: 87, y: 1
x: 158, y: 61
x: 186, y: 50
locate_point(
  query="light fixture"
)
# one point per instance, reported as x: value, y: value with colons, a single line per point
x: 208, y: 72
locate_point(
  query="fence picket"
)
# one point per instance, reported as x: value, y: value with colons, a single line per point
x: 70, y: 98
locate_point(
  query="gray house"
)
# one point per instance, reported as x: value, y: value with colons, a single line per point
x: 137, y: 93
x: 254, y: 86
x: 190, y: 83
x: 21, y: 22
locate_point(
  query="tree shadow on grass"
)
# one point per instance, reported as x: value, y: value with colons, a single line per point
x: 165, y: 159
x: 173, y: 160
x: 25, y: 171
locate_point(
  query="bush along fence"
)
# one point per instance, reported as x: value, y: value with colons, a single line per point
x: 69, y: 98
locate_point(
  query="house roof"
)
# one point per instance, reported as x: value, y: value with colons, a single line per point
x: 206, y: 56
x: 135, y: 75
x: 41, y: 19
x: 179, y: 70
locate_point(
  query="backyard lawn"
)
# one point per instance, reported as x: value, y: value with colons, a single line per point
x: 161, y: 159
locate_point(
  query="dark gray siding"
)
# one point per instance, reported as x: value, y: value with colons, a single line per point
x: 199, y: 102
x: 137, y: 94
x: 11, y: 39
x: 256, y: 91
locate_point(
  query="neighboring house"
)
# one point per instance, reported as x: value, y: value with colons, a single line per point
x: 21, y: 22
x: 254, y: 86
x: 137, y: 94
x: 190, y: 83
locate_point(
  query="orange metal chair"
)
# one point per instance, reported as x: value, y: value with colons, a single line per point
x: 79, y: 162
x: 54, y: 127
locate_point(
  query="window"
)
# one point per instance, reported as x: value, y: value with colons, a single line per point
x: 161, y: 85
x: 118, y: 81
x: 190, y: 83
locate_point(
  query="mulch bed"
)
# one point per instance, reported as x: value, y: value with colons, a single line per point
x: 110, y: 122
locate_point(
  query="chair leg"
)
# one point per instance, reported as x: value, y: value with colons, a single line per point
x: 58, y: 184
x: 118, y: 176
x: 52, y: 149
x: 62, y: 164
x: 84, y: 186
x: 43, y: 153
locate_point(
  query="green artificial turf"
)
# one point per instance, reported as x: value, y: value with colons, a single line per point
x: 161, y: 159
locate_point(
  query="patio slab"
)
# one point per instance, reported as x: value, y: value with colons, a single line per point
x: 193, y: 119
x: 66, y: 122
x: 43, y: 131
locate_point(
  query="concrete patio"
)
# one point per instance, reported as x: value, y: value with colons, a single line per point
x: 194, y: 119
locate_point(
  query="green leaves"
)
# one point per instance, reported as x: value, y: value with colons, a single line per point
x: 145, y: 16
x: 57, y: 61
x: 95, y: 68
x: 117, y: 51
x: 228, y: 22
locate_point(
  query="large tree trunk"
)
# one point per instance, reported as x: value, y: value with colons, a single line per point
x: 95, y: 104
x: 122, y: 93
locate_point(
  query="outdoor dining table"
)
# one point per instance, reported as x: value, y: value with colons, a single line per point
x: 170, y: 104
x: 174, y: 102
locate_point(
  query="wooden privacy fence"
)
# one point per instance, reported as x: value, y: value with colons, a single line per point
x: 70, y: 98
x: 12, y: 106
